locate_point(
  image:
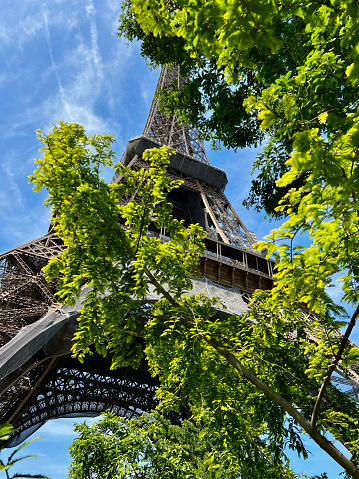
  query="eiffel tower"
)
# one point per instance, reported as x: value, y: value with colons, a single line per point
x: 39, y: 380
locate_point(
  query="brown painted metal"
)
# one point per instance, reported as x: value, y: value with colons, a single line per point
x: 212, y: 215
x: 219, y: 210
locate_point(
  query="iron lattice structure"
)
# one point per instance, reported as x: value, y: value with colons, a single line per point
x: 220, y: 219
x: 63, y: 387
x: 38, y: 378
x: 166, y: 129
x: 24, y: 294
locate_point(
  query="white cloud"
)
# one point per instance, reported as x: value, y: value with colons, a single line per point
x: 20, y: 21
x: 58, y: 428
x: 73, y: 101
x: 95, y: 49
x: 87, y: 69
x: 5, y: 38
x: 8, y: 166
x: 32, y: 24
x: 65, y: 64
x: 59, y: 83
x: 84, y: 115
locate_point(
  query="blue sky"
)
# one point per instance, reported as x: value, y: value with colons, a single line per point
x: 61, y: 60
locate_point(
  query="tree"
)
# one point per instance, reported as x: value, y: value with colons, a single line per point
x: 256, y: 380
x: 304, y: 51
x: 297, y: 66
x: 109, y: 249
x: 146, y: 447
x: 149, y: 446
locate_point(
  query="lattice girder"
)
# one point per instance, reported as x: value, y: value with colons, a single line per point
x: 64, y: 387
x: 167, y: 129
x: 221, y: 218
x: 25, y: 296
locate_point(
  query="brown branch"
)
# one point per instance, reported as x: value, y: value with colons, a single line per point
x: 332, y: 368
x: 326, y: 445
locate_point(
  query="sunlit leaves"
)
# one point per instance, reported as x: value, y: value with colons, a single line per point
x: 299, y: 61
x: 109, y: 246
x: 224, y: 29
x: 111, y: 252
x: 149, y: 446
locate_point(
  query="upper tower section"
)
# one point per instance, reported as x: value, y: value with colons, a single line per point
x: 201, y: 198
x: 166, y: 129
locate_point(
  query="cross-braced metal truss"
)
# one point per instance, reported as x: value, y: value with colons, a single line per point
x: 25, y: 296
x: 348, y: 377
x: 60, y: 387
x: 222, y: 221
x: 167, y: 129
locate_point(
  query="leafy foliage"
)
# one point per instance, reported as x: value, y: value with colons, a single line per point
x: 146, y: 447
x: 100, y: 251
x: 236, y: 50
x: 255, y: 381
x: 301, y: 62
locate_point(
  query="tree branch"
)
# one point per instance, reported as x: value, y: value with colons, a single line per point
x: 148, y: 273
x: 326, y: 445
x: 337, y: 358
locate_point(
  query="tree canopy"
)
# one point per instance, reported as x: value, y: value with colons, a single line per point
x: 259, y: 69
x: 255, y: 380
x: 149, y: 446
